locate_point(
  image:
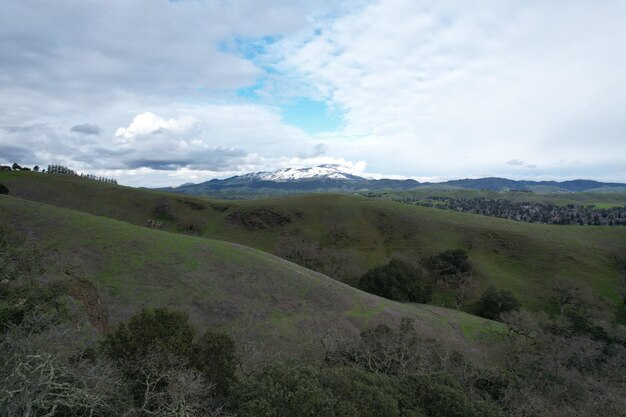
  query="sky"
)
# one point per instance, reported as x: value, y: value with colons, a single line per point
x: 160, y: 93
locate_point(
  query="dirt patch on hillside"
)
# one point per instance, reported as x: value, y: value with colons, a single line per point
x: 85, y: 292
x: 191, y: 204
x: 258, y: 219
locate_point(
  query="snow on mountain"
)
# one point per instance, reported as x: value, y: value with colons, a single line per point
x: 328, y: 171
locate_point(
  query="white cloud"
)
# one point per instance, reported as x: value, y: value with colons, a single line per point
x: 427, y: 89
x: 149, y: 123
x: 452, y: 88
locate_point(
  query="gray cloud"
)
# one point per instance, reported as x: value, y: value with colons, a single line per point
x: 531, y: 166
x: 11, y: 154
x: 214, y: 159
x: 86, y: 129
x: 427, y: 98
x: 317, y: 150
x: 515, y: 162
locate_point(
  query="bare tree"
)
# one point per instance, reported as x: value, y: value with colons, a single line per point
x: 43, y: 375
x: 168, y: 387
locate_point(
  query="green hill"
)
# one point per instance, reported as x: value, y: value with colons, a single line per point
x: 115, y: 268
x: 344, y: 236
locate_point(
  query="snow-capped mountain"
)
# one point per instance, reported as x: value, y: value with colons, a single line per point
x: 339, y: 179
x: 328, y: 171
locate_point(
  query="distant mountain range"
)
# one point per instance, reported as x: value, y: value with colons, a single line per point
x: 336, y: 178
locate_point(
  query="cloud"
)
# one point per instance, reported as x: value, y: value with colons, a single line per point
x: 451, y: 88
x: 424, y: 89
x: 149, y: 124
x: 86, y: 129
x: 317, y: 150
x: 17, y: 154
x: 515, y: 162
x: 531, y: 166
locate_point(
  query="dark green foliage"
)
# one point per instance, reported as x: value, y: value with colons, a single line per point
x: 162, y: 210
x: 20, y: 300
x: 450, y: 262
x: 282, y: 391
x: 151, y: 329
x: 3, y: 189
x: 438, y: 395
x: 213, y: 354
x: 20, y: 294
x: 494, y: 302
x: 397, y: 281
x: 167, y: 337
x: 16, y: 166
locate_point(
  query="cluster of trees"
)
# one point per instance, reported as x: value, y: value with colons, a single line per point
x: 17, y: 167
x: 450, y: 271
x: 63, y: 170
x: 397, y: 281
x: 58, y: 169
x: 530, y: 211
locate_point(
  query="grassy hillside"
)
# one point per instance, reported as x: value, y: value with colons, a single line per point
x: 344, y: 236
x: 115, y: 268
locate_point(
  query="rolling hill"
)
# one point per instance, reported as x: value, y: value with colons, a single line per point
x: 344, y: 236
x: 115, y: 268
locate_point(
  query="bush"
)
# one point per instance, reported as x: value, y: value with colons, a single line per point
x: 450, y: 262
x: 284, y: 391
x: 494, y: 302
x: 151, y: 329
x: 213, y: 354
x: 438, y: 395
x: 162, y: 332
x: 3, y: 189
x: 397, y: 281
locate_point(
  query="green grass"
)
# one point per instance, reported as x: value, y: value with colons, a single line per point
x: 250, y: 294
x: 523, y: 258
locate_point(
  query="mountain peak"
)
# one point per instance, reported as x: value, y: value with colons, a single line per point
x: 325, y: 171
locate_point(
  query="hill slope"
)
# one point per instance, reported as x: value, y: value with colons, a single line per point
x: 344, y: 236
x: 115, y: 268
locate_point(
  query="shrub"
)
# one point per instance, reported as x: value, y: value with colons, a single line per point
x: 3, y: 189
x: 450, y: 262
x: 397, y: 281
x: 438, y: 395
x: 494, y: 302
x: 152, y: 328
x: 213, y: 354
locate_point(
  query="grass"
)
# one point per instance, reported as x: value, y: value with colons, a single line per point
x: 251, y: 294
x: 523, y: 258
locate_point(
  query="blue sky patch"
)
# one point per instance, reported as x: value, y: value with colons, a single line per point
x: 311, y: 116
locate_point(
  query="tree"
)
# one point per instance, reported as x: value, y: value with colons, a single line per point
x: 213, y: 354
x: 565, y: 293
x: 494, y: 302
x: 450, y: 262
x: 3, y: 189
x: 16, y: 167
x: 397, y: 281
x: 36, y: 168
x: 152, y: 328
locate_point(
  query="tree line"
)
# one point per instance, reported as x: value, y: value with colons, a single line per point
x: 58, y: 170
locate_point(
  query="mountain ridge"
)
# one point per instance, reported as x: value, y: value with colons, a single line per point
x: 337, y: 178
